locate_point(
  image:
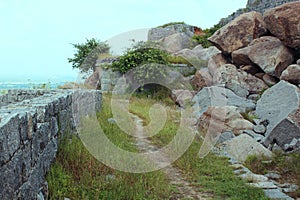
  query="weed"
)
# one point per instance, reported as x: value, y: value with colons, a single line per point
x: 78, y: 175
x: 287, y: 165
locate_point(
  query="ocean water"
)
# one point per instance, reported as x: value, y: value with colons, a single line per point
x: 29, y: 85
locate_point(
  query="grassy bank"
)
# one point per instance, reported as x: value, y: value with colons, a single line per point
x: 78, y: 175
x: 211, y: 174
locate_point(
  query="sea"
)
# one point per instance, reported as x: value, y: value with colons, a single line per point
x: 8, y: 85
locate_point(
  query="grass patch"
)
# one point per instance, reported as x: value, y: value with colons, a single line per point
x: 141, y: 106
x: 211, y: 174
x: 78, y: 175
x: 287, y: 165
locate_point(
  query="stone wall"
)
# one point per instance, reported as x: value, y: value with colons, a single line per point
x: 255, y: 5
x: 158, y: 33
x: 30, y: 124
x: 109, y: 78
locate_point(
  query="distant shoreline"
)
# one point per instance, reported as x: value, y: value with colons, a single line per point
x: 8, y: 85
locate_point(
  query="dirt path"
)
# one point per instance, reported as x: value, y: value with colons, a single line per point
x: 185, y: 189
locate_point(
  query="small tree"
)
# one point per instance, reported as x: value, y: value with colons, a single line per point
x: 87, y: 53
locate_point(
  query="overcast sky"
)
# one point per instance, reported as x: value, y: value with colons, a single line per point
x: 35, y: 35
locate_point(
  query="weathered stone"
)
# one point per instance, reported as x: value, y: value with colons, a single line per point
x: 182, y: 97
x: 218, y: 96
x: 243, y: 146
x: 276, y: 194
x: 254, y: 5
x: 273, y: 175
x: 270, y: 80
x: 267, y: 52
x: 215, y: 62
x: 201, y: 79
x: 298, y: 62
x: 240, y: 82
x: 291, y: 74
x: 260, y: 129
x: 175, y: 42
x: 93, y: 80
x: 259, y: 75
x: 284, y: 22
x: 197, y: 54
x: 158, y: 33
x: 288, y: 187
x: 253, y: 97
x: 255, y: 136
x: 239, y: 32
x: 251, y: 69
x: 279, y: 105
x: 228, y: 135
x: 264, y: 185
x: 223, y: 119
x: 29, y: 136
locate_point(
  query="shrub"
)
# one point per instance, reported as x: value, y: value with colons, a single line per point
x: 87, y: 53
x: 140, y: 54
x: 202, y: 39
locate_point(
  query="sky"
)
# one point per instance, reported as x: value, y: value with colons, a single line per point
x: 36, y: 35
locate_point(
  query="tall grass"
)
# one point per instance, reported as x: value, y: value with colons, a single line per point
x: 78, y: 175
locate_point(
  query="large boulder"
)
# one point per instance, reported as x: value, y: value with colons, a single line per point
x: 161, y: 32
x: 239, y: 81
x: 239, y: 32
x: 175, y: 42
x: 243, y: 146
x: 93, y: 81
x: 286, y: 133
x: 223, y: 119
x: 219, y: 96
x: 291, y: 74
x: 279, y: 106
x: 215, y: 62
x: 197, y: 52
x: 182, y: 97
x: 268, y: 53
x: 284, y: 22
x: 201, y: 79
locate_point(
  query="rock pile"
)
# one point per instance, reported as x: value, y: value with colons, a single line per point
x: 248, y: 96
x: 174, y: 37
x: 257, y: 63
x: 254, y: 5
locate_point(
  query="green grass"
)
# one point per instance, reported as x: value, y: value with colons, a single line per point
x: 214, y: 175
x: 78, y: 175
x: 211, y: 174
x: 287, y: 165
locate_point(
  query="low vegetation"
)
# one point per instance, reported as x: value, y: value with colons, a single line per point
x: 86, y: 54
x: 141, y: 53
x: 78, y: 175
x: 203, y: 39
x: 211, y: 174
x: 170, y: 24
x: 287, y: 165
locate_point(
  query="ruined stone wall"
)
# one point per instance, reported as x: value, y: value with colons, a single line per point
x: 158, y: 33
x: 109, y: 78
x: 255, y: 5
x: 30, y: 124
